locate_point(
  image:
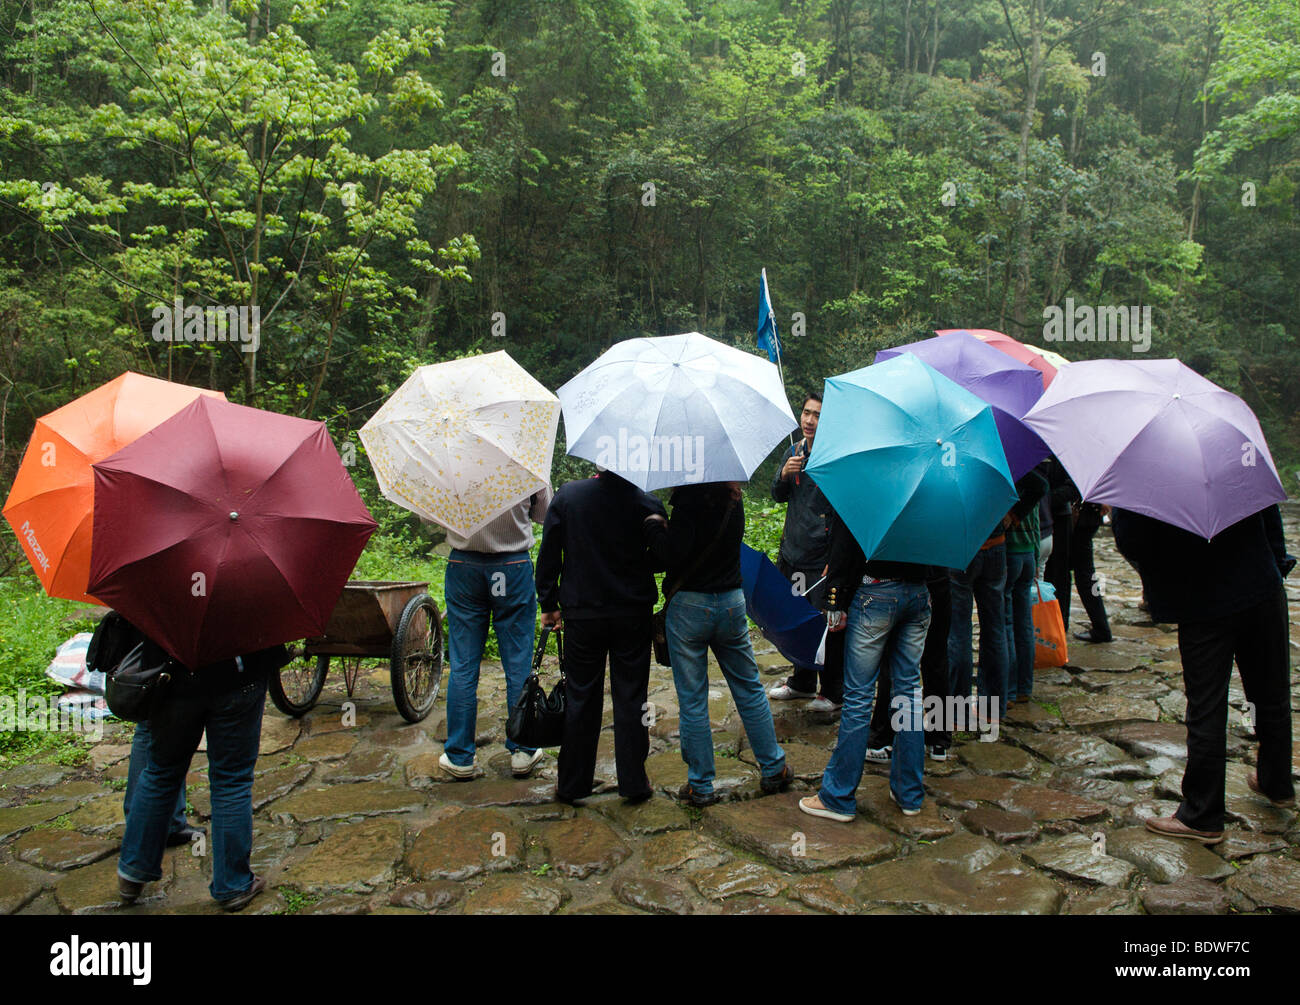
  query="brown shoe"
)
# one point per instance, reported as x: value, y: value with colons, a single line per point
x: 1252, y: 782
x: 1173, y: 827
x: 244, y: 899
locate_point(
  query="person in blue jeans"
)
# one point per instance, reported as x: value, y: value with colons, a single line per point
x: 985, y: 579
x: 700, y: 546
x: 180, y: 831
x: 884, y: 607
x: 489, y: 581
x: 224, y: 699
x: 1017, y: 602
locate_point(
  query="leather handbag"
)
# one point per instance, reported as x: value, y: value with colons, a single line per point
x: 537, y: 720
x: 659, y: 620
x: 137, y: 685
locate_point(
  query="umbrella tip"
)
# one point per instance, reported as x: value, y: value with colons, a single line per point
x: 233, y: 515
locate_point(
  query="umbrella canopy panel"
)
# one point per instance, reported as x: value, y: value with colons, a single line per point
x: 1155, y: 437
x: 676, y: 410
x: 51, y: 504
x: 461, y: 442
x: 911, y: 462
x: 225, y: 530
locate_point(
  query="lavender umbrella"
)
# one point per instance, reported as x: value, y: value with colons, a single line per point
x: 1009, y: 386
x: 1157, y: 438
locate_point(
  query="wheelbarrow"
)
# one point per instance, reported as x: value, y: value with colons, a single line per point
x: 373, y: 619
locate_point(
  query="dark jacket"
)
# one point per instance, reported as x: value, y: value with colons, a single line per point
x: 1062, y: 492
x: 593, y: 561
x: 1187, y: 578
x: 805, y: 539
x: 696, y: 542
x: 848, y: 565
x: 1023, y: 534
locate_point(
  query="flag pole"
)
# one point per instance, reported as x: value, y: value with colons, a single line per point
x: 777, y: 339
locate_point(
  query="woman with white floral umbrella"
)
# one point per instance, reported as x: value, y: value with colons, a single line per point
x: 467, y: 444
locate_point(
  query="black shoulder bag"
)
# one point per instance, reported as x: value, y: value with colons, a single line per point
x: 537, y: 720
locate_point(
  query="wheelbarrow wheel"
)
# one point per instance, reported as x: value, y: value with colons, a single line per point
x: 416, y: 664
x: 296, y: 688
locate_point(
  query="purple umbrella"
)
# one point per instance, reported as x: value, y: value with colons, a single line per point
x: 1010, y: 387
x: 1157, y: 438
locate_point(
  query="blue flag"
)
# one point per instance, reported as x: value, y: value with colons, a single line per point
x: 768, y: 340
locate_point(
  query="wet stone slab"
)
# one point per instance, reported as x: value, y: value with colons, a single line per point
x: 61, y: 849
x: 654, y: 895
x: 433, y: 896
x: 998, y: 759
x: 362, y: 799
x: 1001, y: 826
x: 1095, y: 710
x: 654, y: 816
x: 778, y: 831
x: 1150, y: 739
x: 874, y: 800
x: 1164, y: 860
x: 1040, y: 803
x: 1187, y: 895
x: 16, y: 819
x: 509, y: 894
x: 1267, y: 881
x: 1080, y: 857
x: 466, y: 844
x: 20, y: 885
x: 967, y: 792
x: 1104, y: 900
x: 582, y: 846
x: 686, y: 850
x: 734, y: 779
x: 1070, y: 750
x: 355, y: 858
x: 737, y: 878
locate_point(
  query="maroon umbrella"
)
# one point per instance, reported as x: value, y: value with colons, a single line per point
x: 226, y: 529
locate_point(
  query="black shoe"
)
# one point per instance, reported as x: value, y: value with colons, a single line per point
x: 777, y: 783
x: 244, y: 899
x: 696, y: 799
x: 1090, y: 636
x: 637, y: 800
x: 183, y: 836
x: 570, y: 800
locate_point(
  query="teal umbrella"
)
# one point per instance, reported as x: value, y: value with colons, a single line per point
x: 911, y: 462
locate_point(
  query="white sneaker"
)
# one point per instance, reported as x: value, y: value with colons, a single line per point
x: 823, y: 704
x: 879, y: 755
x: 938, y: 753
x: 455, y: 770
x: 784, y: 692
x: 906, y: 811
x: 522, y: 762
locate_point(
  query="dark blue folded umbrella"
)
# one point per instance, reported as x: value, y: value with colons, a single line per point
x: 784, y: 617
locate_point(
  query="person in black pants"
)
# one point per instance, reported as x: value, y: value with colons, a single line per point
x: 595, y: 579
x: 1227, y: 598
x: 1062, y: 496
x: 1086, y: 581
x: 935, y: 684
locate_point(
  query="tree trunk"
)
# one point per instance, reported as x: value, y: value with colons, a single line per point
x: 1024, y: 226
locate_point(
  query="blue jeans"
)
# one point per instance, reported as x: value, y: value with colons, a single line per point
x: 1018, y: 605
x: 234, y: 726
x: 141, y: 744
x: 986, y: 578
x: 695, y: 623
x: 886, y: 620
x: 479, y: 588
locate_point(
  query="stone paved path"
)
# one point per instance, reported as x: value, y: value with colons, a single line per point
x: 357, y: 818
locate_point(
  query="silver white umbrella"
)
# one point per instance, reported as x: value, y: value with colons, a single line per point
x: 676, y: 410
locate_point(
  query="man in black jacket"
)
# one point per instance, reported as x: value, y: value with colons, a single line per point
x: 805, y: 551
x: 1226, y: 596
x: 595, y: 575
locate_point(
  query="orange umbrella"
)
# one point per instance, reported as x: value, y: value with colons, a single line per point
x: 51, y: 505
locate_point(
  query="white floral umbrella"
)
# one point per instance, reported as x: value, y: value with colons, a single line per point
x: 675, y: 410
x: 461, y: 442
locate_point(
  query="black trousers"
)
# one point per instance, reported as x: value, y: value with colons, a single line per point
x: 1258, y: 638
x: 1057, y: 569
x: 832, y: 671
x: 589, y: 642
x: 1084, y: 571
x: 934, y: 673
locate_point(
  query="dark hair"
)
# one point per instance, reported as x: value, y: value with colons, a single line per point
x: 812, y: 396
x: 716, y: 494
